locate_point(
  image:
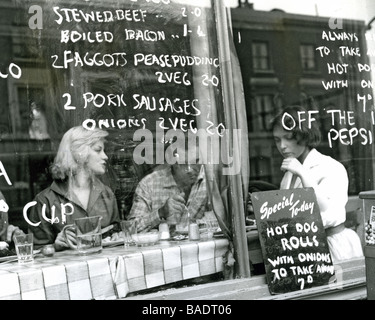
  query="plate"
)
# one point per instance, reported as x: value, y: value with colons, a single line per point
x: 180, y: 237
x: 202, y: 230
x: 146, y: 239
x: 118, y: 240
x: 218, y: 234
x: 112, y: 243
x: 10, y: 258
x: 182, y: 232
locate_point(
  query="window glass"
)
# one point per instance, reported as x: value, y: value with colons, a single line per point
x: 121, y: 66
x: 260, y: 56
x: 263, y: 109
x: 318, y: 56
x: 294, y: 39
x: 224, y: 68
x: 308, y: 57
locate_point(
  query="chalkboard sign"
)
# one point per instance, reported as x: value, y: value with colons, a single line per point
x: 293, y: 240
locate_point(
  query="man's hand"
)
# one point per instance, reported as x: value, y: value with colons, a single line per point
x: 173, y: 208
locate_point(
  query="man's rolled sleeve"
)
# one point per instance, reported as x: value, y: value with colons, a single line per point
x: 142, y: 210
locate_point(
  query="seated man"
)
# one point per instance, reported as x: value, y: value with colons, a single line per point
x: 173, y: 193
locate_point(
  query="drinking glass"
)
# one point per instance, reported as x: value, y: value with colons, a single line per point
x: 128, y: 228
x: 88, y: 235
x: 210, y: 227
x: 24, y: 248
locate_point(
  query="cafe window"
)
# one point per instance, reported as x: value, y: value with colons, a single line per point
x: 146, y: 72
x: 261, y: 56
x: 150, y: 72
x: 308, y: 57
x: 262, y: 112
x: 260, y: 167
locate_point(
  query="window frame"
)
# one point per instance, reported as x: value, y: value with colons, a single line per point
x: 261, y: 58
x: 307, y: 58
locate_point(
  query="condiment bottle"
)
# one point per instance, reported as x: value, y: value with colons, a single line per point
x: 164, y: 231
x: 193, y: 231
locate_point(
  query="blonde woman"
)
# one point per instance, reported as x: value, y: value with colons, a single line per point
x: 79, y: 161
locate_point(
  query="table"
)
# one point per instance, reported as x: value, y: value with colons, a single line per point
x: 111, y: 274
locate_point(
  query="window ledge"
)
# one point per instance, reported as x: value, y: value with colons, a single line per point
x: 351, y: 286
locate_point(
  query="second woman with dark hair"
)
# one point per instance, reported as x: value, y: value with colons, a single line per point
x: 305, y: 167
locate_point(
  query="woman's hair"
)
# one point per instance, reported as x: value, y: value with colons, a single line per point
x: 73, y: 150
x: 304, y: 132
